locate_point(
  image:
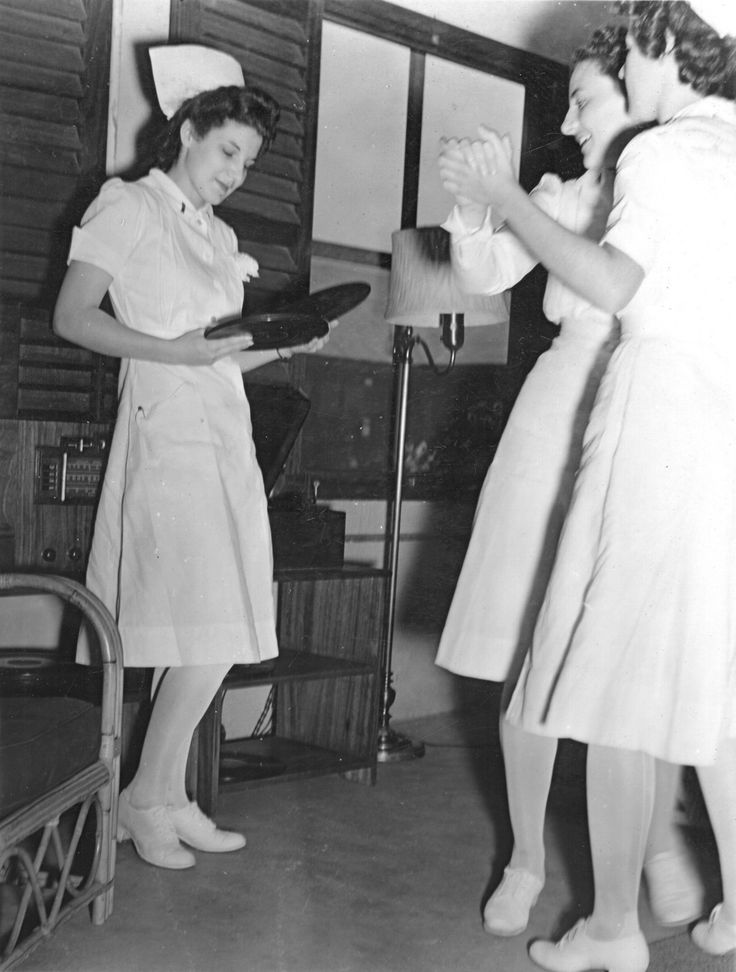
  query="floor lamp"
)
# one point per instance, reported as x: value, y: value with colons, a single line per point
x: 422, y: 293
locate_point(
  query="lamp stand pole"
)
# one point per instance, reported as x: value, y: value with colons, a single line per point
x: 393, y: 747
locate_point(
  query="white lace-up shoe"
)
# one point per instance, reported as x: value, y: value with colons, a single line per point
x: 578, y: 952
x: 152, y: 834
x: 507, y: 910
x: 715, y: 936
x: 196, y: 829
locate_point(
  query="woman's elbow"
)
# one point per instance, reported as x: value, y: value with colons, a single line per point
x: 621, y: 283
x: 62, y: 323
x: 69, y: 321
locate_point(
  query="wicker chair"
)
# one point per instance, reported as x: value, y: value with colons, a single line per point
x: 57, y: 848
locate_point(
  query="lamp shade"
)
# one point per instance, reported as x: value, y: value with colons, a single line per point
x: 423, y: 284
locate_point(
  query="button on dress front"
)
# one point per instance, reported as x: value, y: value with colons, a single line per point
x: 527, y: 490
x: 181, y: 549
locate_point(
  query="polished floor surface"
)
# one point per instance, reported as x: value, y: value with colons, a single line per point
x: 339, y: 877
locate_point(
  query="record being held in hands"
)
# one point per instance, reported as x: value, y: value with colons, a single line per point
x: 280, y: 329
x: 296, y: 323
x: 331, y: 302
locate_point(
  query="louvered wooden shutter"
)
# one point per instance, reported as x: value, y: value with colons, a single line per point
x: 54, y: 69
x: 54, y: 65
x: 277, y: 44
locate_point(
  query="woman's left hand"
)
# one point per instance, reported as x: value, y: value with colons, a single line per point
x: 480, y: 170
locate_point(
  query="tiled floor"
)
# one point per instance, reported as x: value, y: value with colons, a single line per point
x: 338, y: 877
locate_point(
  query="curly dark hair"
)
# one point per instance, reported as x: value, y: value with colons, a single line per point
x: 707, y: 62
x: 606, y: 48
x: 211, y: 109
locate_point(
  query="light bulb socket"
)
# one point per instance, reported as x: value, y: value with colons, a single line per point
x: 452, y: 330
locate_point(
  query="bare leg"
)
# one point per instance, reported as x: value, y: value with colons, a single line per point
x: 182, y: 698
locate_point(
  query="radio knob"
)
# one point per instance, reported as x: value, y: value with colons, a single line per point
x: 74, y: 553
x: 49, y: 555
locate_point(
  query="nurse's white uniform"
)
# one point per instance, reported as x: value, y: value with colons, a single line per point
x: 527, y: 490
x: 181, y: 550
x: 635, y: 646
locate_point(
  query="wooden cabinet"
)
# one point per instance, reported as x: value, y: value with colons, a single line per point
x: 326, y: 686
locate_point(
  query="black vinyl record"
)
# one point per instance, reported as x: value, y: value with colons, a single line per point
x: 331, y: 302
x: 296, y: 323
x: 280, y: 329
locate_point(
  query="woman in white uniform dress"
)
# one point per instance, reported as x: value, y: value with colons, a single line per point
x: 181, y: 551
x: 527, y: 491
x: 634, y: 650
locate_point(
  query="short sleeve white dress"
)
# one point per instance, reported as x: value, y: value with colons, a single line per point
x: 635, y: 646
x: 527, y: 490
x: 181, y: 550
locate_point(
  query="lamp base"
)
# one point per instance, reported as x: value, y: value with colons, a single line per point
x: 394, y: 748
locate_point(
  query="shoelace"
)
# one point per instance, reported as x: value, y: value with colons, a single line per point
x: 200, y: 818
x: 161, y: 824
x: 515, y: 881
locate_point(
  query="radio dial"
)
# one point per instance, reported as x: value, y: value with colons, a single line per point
x: 49, y: 555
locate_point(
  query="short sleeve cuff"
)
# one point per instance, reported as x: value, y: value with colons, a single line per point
x: 88, y: 248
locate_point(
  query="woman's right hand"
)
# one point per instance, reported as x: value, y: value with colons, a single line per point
x: 193, y: 348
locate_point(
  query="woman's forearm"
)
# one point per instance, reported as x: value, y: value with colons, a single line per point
x: 250, y: 360
x: 79, y: 318
x: 605, y: 276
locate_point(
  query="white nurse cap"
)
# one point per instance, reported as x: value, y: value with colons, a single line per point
x: 718, y: 14
x: 182, y: 71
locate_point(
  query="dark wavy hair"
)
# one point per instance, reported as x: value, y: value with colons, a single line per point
x: 606, y: 48
x: 211, y: 109
x: 706, y: 61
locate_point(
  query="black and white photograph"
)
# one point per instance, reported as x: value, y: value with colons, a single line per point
x: 367, y: 486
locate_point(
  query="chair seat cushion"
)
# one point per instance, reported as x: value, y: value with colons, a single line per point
x: 49, y: 724
x: 43, y: 741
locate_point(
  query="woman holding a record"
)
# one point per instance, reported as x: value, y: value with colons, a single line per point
x: 181, y: 552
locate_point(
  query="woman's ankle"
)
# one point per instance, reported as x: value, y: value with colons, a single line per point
x: 140, y: 799
x: 608, y: 927
x: 526, y: 862
x: 728, y: 913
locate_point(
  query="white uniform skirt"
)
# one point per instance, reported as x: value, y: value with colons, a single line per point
x: 521, y: 509
x: 181, y: 551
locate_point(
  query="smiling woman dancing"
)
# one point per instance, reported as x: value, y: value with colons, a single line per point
x: 527, y: 490
x: 634, y: 649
